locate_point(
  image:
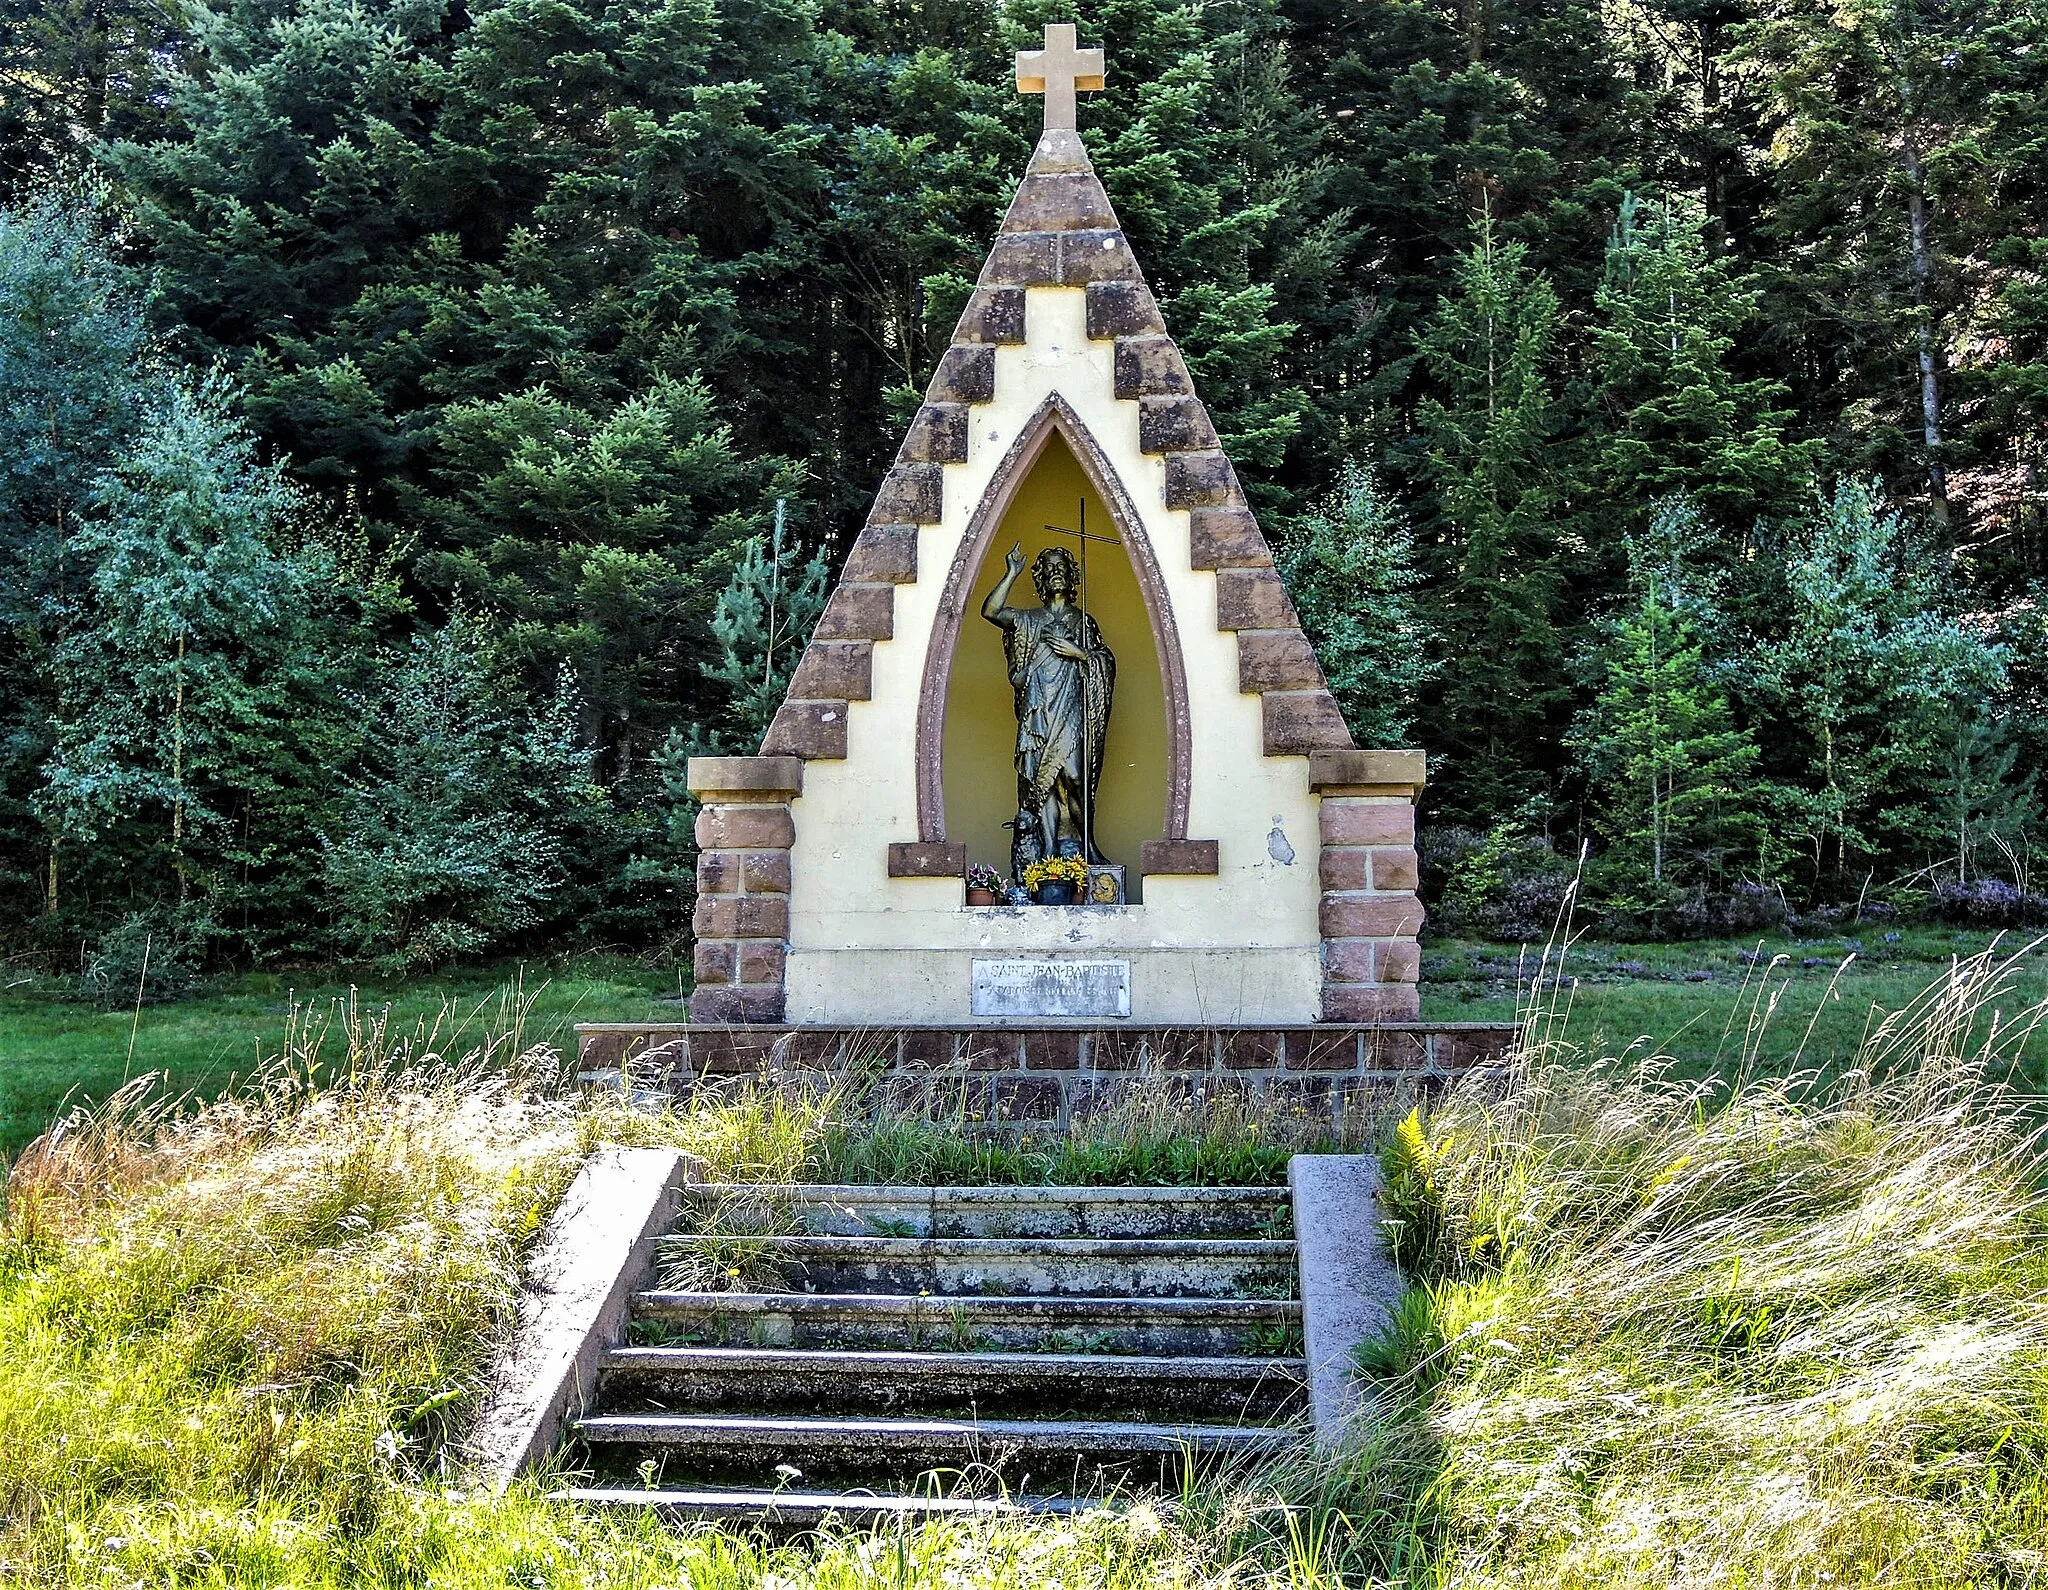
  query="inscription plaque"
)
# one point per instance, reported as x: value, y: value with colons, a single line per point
x: 1071, y: 989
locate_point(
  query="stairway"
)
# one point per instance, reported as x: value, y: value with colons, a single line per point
x: 984, y: 1349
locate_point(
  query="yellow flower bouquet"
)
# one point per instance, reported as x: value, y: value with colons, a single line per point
x: 1056, y: 869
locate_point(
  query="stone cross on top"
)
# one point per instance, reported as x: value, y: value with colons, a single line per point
x: 1056, y: 72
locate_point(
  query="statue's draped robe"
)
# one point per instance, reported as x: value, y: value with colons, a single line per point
x: 1062, y: 704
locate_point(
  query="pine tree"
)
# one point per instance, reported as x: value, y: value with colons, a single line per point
x: 1670, y: 773
x: 1866, y: 681
x: 449, y: 839
x: 765, y: 616
x: 1673, y: 414
x: 168, y: 667
x: 1497, y: 576
x: 1349, y: 565
x: 75, y: 354
x: 1896, y: 127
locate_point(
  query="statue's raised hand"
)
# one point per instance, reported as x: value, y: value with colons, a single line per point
x: 1016, y: 559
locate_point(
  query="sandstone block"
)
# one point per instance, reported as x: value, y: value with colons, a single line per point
x: 757, y: 1002
x: 1349, y: 961
x: 928, y: 859
x: 1276, y: 659
x: 1194, y: 858
x: 745, y: 828
x: 842, y: 669
x: 937, y: 435
x: 885, y: 554
x: 1371, y: 916
x: 910, y: 494
x: 765, y: 871
x: 1355, y: 772
x: 1254, y: 599
x: 742, y: 916
x: 718, y: 872
x: 993, y: 315
x: 761, y: 960
x: 1201, y: 480
x: 1059, y: 201
x: 1058, y: 149
x: 1227, y: 538
x: 1022, y: 259
x: 966, y: 374
x: 1122, y: 309
x: 715, y: 961
x: 1101, y: 256
x: 813, y: 730
x: 1397, y: 961
x: 1370, y: 1002
x: 1150, y: 366
x: 742, y: 779
x: 1342, y: 868
x: 1174, y: 425
x: 859, y: 612
x: 1365, y: 822
x: 1395, y: 869
x: 1300, y: 721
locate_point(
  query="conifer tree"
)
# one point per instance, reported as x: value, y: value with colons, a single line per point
x: 1673, y: 416
x: 1497, y: 576
x: 75, y: 356
x: 765, y: 616
x: 1350, y: 567
x: 168, y: 669
x: 1867, y: 679
x: 449, y: 838
x: 1670, y: 773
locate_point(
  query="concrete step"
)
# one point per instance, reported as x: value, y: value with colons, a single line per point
x: 814, y: 1380
x: 1047, y: 1324
x: 807, y: 1509
x: 1037, y: 1266
x: 1063, y: 1456
x: 853, y: 1211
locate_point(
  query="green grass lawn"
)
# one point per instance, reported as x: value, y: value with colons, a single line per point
x: 56, y: 1050
x: 1696, y: 1002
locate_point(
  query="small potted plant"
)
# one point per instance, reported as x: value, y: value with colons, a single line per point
x: 1055, y: 880
x: 984, y: 885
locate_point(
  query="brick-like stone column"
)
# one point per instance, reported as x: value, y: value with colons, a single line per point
x: 1370, y: 911
x: 744, y: 834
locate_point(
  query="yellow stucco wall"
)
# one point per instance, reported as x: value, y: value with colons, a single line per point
x: 981, y: 723
x: 1241, y: 946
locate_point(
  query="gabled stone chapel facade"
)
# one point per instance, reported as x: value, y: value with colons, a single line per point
x: 1272, y: 863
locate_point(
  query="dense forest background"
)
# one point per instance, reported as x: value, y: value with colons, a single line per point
x: 1650, y: 399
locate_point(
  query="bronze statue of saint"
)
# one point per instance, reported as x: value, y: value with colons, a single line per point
x: 1061, y: 677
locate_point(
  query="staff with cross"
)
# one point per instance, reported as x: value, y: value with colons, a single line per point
x: 1057, y: 71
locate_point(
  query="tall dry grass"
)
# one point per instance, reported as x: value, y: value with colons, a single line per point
x: 1761, y: 1332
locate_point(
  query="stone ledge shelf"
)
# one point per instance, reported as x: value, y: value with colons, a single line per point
x: 1043, y: 1074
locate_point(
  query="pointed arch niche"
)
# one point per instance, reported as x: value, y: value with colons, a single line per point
x: 967, y: 725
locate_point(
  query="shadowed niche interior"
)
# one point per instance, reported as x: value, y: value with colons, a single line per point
x: 981, y: 725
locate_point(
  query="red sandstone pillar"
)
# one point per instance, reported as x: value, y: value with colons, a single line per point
x: 744, y: 834
x: 1370, y: 911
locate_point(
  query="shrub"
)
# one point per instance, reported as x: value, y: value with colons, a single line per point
x: 140, y: 960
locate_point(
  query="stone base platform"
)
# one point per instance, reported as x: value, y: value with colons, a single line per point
x: 1046, y: 1075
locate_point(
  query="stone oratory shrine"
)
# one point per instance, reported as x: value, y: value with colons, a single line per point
x: 1059, y: 646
